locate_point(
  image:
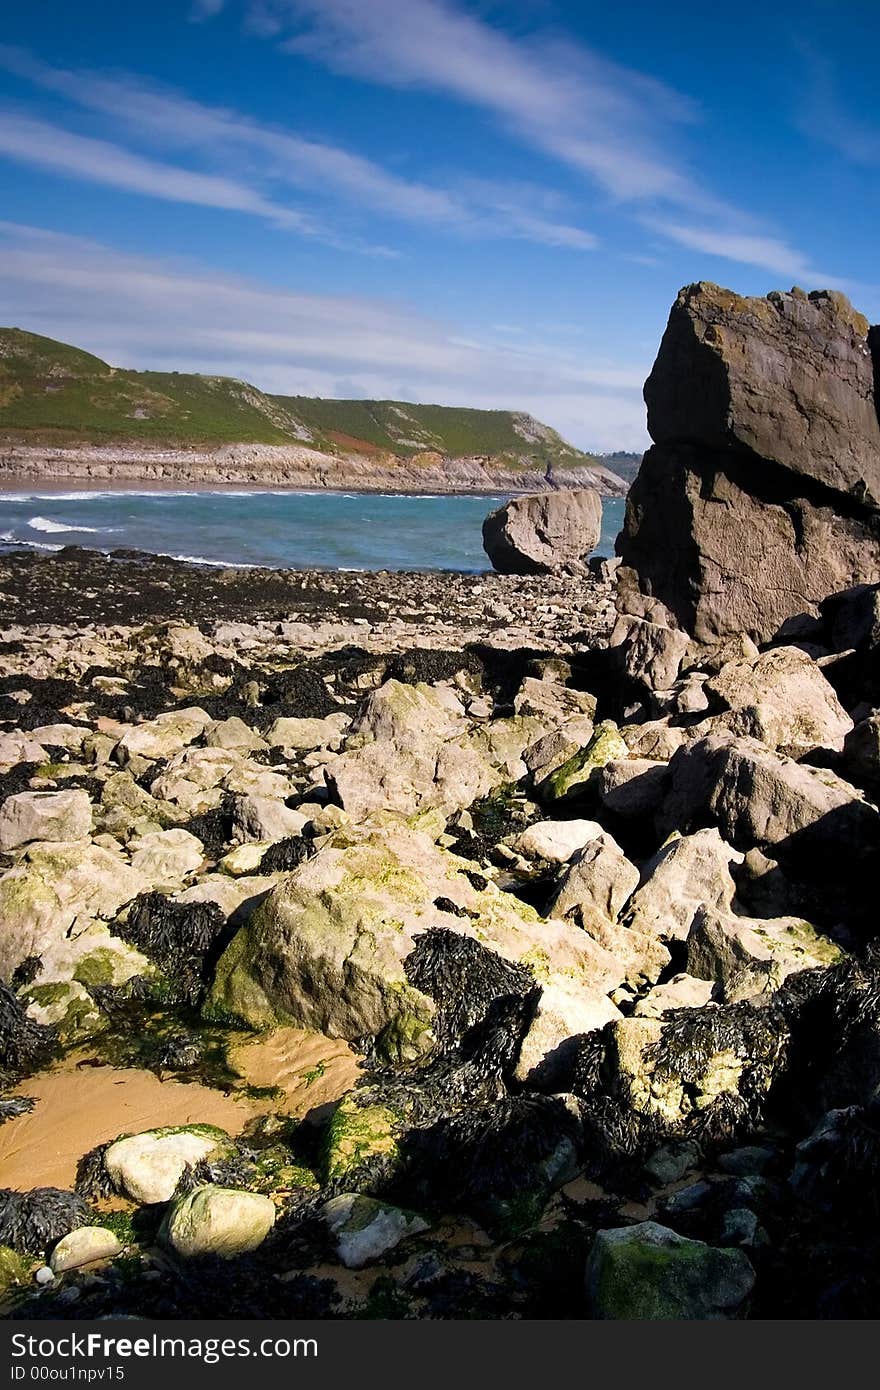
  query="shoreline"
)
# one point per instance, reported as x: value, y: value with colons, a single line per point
x: 56, y: 487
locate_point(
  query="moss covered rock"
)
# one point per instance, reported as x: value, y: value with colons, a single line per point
x: 649, y: 1272
x: 217, y: 1221
x: 358, y: 1135
x: 148, y: 1166
x: 605, y: 746
x: 327, y: 949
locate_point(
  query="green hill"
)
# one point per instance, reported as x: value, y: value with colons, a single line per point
x: 52, y: 393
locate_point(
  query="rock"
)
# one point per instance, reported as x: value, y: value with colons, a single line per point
x: 648, y: 1271
x: 396, y: 711
x: 244, y: 859
x: 82, y: 1247
x: 598, y: 882
x: 861, y: 754
x: 722, y: 947
x: 552, y: 702
x: 66, y: 1006
x: 53, y: 888
x: 163, y: 736
x: 570, y: 778
x: 550, y: 751
x: 817, y: 822
x: 541, y: 533
x: 148, y: 1166
x: 32, y: 816
x: 263, y: 818
x: 17, y: 747
x: 649, y: 653
x: 357, y: 1134
x: 366, y: 1229
x: 656, y: 740
x: 233, y: 733
x: 681, y: 992
x: 555, y: 841
x: 411, y: 773
x: 327, y: 949
x: 15, y: 1269
x: 670, y: 1162
x: 306, y: 734
x: 632, y: 788
x: 781, y: 698
x: 686, y: 873
x: 166, y: 858
x: 766, y: 465
x: 217, y: 1221
x: 191, y: 778
x: 186, y: 644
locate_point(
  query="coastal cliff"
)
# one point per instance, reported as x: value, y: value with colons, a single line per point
x: 65, y: 414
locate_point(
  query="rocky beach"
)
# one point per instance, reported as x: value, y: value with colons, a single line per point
x: 422, y: 945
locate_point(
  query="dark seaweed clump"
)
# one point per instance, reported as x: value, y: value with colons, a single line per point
x: 286, y: 855
x: 25, y: 1045
x: 184, y: 939
x: 32, y: 1222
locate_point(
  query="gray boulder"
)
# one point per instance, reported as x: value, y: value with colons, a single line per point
x: 544, y: 532
x: 766, y: 465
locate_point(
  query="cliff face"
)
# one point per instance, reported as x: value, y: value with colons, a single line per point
x: 67, y: 414
x: 289, y: 466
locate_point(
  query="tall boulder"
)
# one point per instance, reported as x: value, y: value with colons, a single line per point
x: 544, y: 532
x: 761, y: 495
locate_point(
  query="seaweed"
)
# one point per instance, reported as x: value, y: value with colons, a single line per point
x: 184, y: 939
x: 32, y: 1222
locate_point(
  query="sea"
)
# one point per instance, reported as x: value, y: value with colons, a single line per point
x: 279, y: 529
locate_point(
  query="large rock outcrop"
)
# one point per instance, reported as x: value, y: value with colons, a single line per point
x: 761, y: 495
x: 544, y: 532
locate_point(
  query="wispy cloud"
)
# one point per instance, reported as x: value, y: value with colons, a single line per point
x: 617, y: 126
x: 284, y: 158
x: 142, y: 312
x: 766, y: 252
x: 49, y: 146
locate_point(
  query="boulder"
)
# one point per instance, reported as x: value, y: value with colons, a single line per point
x: 30, y: 816
x: 766, y: 462
x: 234, y: 733
x: 83, y: 1247
x: 737, y: 951
x: 544, y: 532
x: 571, y: 777
x: 305, y: 734
x: 366, y: 1229
x: 163, y: 736
x: 264, y: 818
x: 327, y: 949
x: 54, y: 887
x: 818, y: 823
x: 686, y: 873
x: 781, y: 698
x: 166, y: 857
x: 649, y: 653
x: 555, y: 841
x: 18, y: 747
x: 219, y: 1221
x: 147, y: 1167
x: 648, y: 1271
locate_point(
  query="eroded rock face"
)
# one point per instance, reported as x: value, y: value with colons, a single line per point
x: 538, y: 534
x: 766, y: 463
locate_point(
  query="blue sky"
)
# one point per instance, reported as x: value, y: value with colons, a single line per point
x: 439, y: 200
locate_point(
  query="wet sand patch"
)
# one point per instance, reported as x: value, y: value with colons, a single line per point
x: 80, y: 1106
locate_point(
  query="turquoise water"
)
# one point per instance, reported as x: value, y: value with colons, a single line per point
x: 298, y: 530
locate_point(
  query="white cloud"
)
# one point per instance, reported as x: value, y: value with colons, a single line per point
x: 47, y: 146
x: 613, y: 124
x: 283, y: 157
x: 768, y: 253
x: 141, y: 312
